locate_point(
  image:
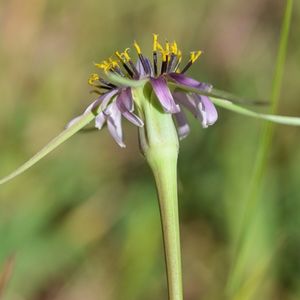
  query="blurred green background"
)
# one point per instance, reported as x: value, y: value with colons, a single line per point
x: 84, y: 223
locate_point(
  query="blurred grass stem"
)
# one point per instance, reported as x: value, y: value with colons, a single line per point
x: 261, y: 158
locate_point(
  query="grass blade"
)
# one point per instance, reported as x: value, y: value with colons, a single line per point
x: 261, y: 158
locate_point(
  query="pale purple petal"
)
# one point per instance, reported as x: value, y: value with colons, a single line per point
x: 100, y: 120
x: 149, y: 65
x: 200, y: 106
x: 189, y: 82
x: 125, y: 104
x: 92, y: 106
x: 183, y: 127
x: 207, y: 109
x: 114, y: 123
x: 105, y: 98
x: 140, y: 69
x: 187, y: 101
x: 164, y: 95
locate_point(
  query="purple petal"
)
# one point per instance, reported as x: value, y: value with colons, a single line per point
x: 189, y: 82
x: 149, y: 65
x: 114, y: 123
x: 105, y: 98
x: 164, y: 95
x: 140, y: 69
x: 200, y: 106
x: 183, y: 127
x: 207, y: 109
x: 92, y: 106
x: 100, y: 120
x: 125, y: 104
x: 187, y: 101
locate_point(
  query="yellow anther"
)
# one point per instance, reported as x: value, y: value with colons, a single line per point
x: 123, y: 56
x: 107, y: 65
x: 112, y: 63
x: 93, y: 78
x: 163, y: 52
x: 119, y: 55
x: 174, y: 48
x: 126, y: 55
x: 137, y: 47
x: 167, y: 47
x: 155, y: 41
x: 103, y: 65
x: 195, y: 55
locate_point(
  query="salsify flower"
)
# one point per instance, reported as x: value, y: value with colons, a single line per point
x: 152, y: 93
x: 164, y: 68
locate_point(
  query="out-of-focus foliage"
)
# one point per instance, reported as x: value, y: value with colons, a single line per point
x: 84, y: 223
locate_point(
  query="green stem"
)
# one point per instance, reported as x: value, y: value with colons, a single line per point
x: 159, y: 143
x: 163, y: 164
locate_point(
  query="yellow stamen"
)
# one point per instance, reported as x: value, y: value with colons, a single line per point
x: 195, y: 56
x: 179, y: 54
x: 167, y: 47
x: 93, y: 78
x: 168, y: 50
x: 137, y: 47
x: 113, y: 63
x: 119, y: 55
x: 174, y: 48
x: 163, y: 52
x: 155, y: 41
x: 104, y: 65
x: 126, y: 55
x: 123, y: 56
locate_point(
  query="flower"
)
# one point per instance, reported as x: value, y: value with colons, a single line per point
x: 117, y: 101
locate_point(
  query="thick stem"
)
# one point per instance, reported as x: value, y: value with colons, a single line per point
x: 159, y: 143
x: 163, y: 163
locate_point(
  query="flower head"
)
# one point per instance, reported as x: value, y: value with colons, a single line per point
x: 164, y: 72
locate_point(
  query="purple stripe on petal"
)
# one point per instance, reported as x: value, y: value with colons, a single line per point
x: 124, y: 100
x: 133, y: 118
x: 149, y: 66
x: 100, y: 120
x: 164, y: 95
x: 189, y: 82
x: 125, y: 104
x: 140, y: 69
x: 187, y: 101
x: 183, y: 127
x: 114, y: 123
